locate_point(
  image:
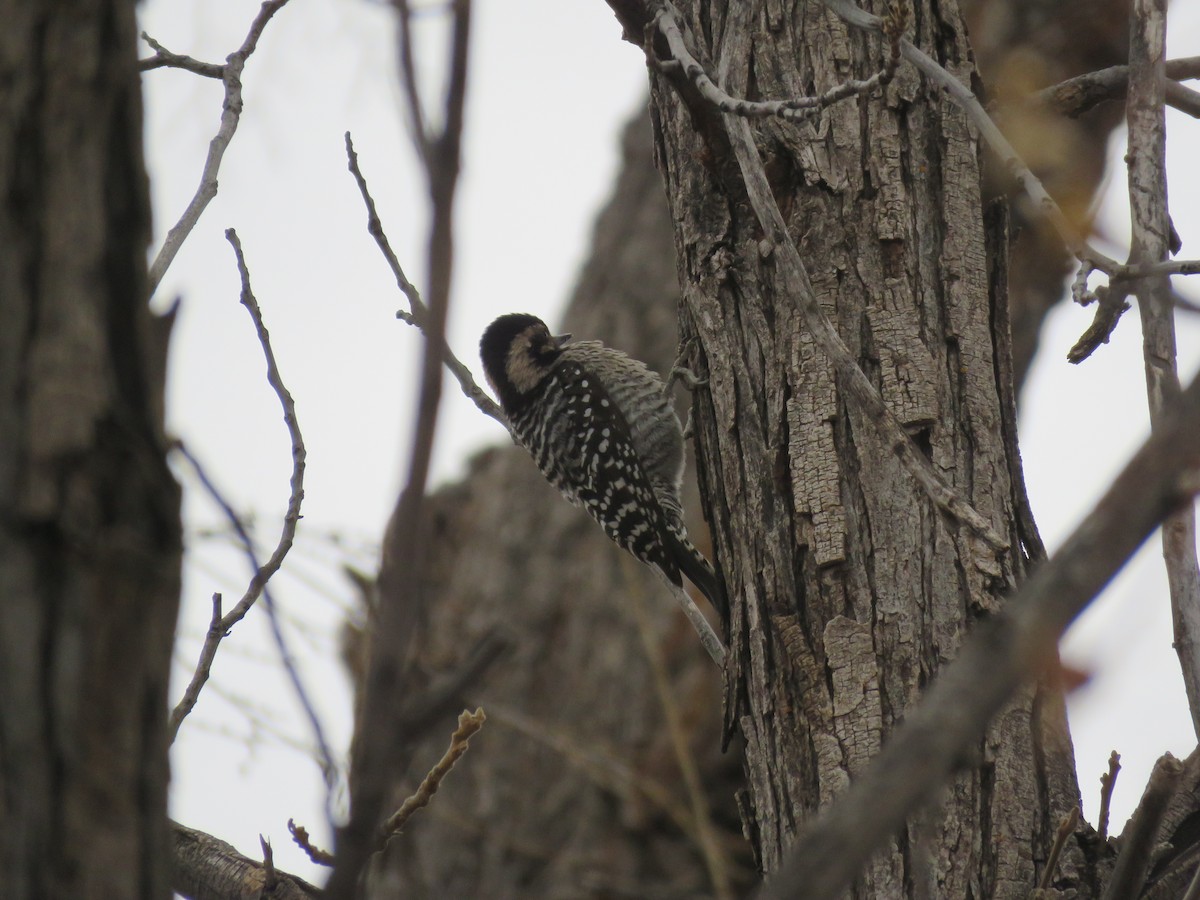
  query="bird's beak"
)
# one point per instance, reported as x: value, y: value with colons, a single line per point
x: 561, y: 340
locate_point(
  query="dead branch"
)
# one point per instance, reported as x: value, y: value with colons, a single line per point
x: 667, y: 21
x: 1140, y: 837
x: 1066, y: 828
x: 205, y: 867
x: 231, y: 114
x: 385, y: 749
x: 1108, y: 781
x: 417, y: 314
x: 469, y: 724
x: 1147, y: 166
x: 1077, y: 95
x: 218, y: 629
x: 302, y: 840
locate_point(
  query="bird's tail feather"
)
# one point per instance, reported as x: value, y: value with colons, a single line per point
x: 698, y: 571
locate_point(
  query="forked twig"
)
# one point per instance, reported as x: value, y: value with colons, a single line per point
x: 231, y: 113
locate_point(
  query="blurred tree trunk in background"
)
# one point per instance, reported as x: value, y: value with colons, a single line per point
x: 90, y: 543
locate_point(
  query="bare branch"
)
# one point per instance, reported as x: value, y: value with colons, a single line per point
x: 291, y: 517
x: 936, y: 737
x: 212, y: 640
x: 1150, y: 246
x: 1108, y: 781
x: 165, y: 59
x: 302, y: 840
x: 385, y: 748
x: 1065, y: 829
x: 418, y: 314
x: 1083, y: 92
x: 220, y: 627
x: 231, y: 113
x: 408, y: 79
x: 1110, y: 306
x: 270, y: 876
x: 1140, y: 837
x: 991, y: 134
x: 469, y: 724
x: 207, y: 867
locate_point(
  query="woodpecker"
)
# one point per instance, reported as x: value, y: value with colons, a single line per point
x: 601, y: 429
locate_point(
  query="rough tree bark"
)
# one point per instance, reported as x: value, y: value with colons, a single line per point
x: 851, y: 589
x: 90, y: 541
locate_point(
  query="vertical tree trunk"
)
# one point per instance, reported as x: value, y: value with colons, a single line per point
x: 850, y: 589
x: 89, y: 513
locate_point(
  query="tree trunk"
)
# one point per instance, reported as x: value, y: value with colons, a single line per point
x: 90, y: 543
x: 850, y: 589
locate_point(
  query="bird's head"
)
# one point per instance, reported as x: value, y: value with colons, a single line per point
x: 518, y: 351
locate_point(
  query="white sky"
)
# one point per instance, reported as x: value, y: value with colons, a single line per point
x: 550, y: 88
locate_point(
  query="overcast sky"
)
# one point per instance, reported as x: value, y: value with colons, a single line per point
x: 550, y: 89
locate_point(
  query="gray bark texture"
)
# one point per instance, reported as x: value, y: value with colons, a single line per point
x: 90, y: 538
x: 850, y: 589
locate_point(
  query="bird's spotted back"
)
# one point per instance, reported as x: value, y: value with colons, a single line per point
x: 581, y: 442
x: 599, y: 426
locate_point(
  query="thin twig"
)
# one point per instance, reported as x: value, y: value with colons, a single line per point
x: 715, y: 860
x: 292, y: 517
x: 270, y: 876
x: 418, y: 313
x: 165, y: 59
x: 1065, y: 829
x: 1108, y: 781
x: 231, y: 113
x: 1140, y: 837
x: 1149, y: 247
x: 468, y: 724
x: 217, y: 631
x: 302, y: 840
